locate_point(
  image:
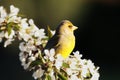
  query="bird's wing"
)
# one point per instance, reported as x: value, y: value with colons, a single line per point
x: 53, y: 42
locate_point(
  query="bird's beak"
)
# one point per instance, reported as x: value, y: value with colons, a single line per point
x: 75, y: 27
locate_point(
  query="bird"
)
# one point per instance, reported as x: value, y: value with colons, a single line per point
x: 63, y: 41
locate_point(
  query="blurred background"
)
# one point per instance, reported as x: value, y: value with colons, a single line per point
x: 97, y: 37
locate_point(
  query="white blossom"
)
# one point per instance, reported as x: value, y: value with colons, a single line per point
x: 31, y: 22
x: 40, y: 33
x: 69, y: 71
x: 3, y: 13
x: 14, y: 19
x: 49, y: 54
x: 59, y: 61
x: 47, y: 62
x: 23, y: 23
x: 38, y: 42
x: 11, y: 35
x: 26, y: 66
x: 53, y: 32
x: 77, y: 55
x: 84, y: 71
x: 73, y: 64
x: 38, y: 73
x: 52, y: 75
x: 32, y: 58
x: 74, y: 77
x: 1, y: 35
x: 22, y: 57
x: 27, y: 47
x: 13, y: 11
x: 24, y: 36
x: 7, y: 42
x: 22, y: 46
x: 96, y: 75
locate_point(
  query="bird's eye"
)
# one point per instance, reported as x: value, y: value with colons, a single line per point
x: 70, y: 26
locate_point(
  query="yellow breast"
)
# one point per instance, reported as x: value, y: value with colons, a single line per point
x: 66, y: 46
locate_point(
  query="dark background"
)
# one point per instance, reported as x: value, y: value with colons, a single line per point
x: 97, y: 37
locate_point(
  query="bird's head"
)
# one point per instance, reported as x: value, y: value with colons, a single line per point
x: 65, y: 27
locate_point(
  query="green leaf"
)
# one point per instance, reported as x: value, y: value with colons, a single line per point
x: 12, y: 25
x: 62, y: 77
x: 35, y: 63
x: 45, y: 38
x: 9, y: 28
x: 63, y: 72
x: 89, y: 75
x: 16, y: 27
x: 65, y: 65
x: 0, y: 30
x: 49, y: 34
x: 48, y: 77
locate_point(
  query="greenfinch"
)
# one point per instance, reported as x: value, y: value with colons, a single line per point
x: 63, y: 41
